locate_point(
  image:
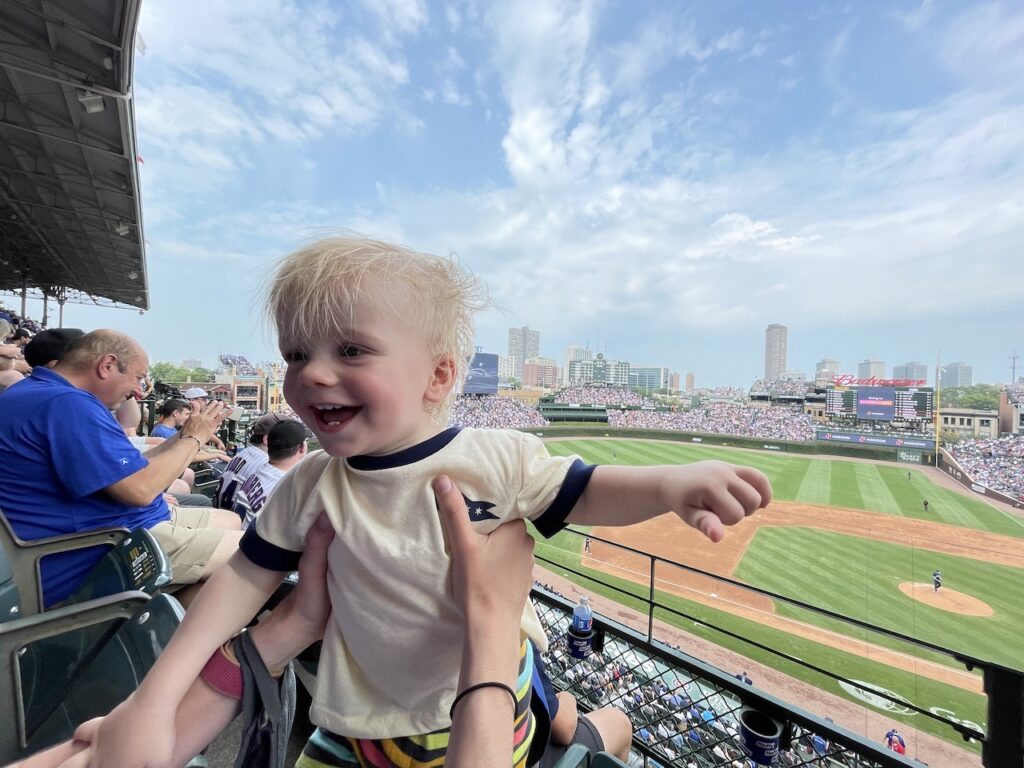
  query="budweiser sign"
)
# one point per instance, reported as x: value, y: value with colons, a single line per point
x: 847, y: 380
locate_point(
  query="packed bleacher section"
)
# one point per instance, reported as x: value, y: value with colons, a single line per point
x: 996, y: 464
x: 584, y: 395
x: 494, y: 412
x: 723, y: 393
x: 776, y: 423
x: 780, y: 387
x: 241, y: 366
x: 683, y: 720
x: 1015, y: 394
x: 12, y: 317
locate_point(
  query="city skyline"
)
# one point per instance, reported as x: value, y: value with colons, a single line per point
x: 667, y: 179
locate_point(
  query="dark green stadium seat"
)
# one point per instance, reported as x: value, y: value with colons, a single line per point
x: 24, y: 557
x: 605, y: 760
x: 577, y: 756
x: 80, y: 659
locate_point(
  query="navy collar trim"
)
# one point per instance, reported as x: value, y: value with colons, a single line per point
x: 418, y: 452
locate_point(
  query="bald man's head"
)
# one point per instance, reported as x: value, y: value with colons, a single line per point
x: 107, y: 363
x: 83, y: 353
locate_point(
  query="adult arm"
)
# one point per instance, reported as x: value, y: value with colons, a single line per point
x: 168, y: 460
x: 136, y: 733
x: 707, y: 495
x: 482, y: 733
x: 204, y: 712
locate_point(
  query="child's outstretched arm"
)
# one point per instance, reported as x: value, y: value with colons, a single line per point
x: 139, y: 733
x: 707, y: 495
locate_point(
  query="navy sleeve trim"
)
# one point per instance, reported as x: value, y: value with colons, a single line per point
x: 552, y: 519
x: 266, y: 555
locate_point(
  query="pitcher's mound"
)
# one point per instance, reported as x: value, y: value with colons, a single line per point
x: 946, y: 599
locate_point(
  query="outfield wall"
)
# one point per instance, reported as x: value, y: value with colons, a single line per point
x: 860, y: 451
x: 955, y: 471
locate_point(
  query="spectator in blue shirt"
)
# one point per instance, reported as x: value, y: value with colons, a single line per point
x: 173, y: 413
x: 69, y: 466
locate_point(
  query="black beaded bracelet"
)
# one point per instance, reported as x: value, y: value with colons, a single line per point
x: 477, y: 687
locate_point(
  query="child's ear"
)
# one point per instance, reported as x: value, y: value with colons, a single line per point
x: 441, y: 380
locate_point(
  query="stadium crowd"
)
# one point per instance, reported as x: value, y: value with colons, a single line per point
x: 776, y: 423
x: 997, y: 464
x: 671, y: 712
x: 723, y: 393
x: 240, y: 365
x: 585, y: 395
x: 494, y: 412
x: 780, y: 387
x: 1015, y: 394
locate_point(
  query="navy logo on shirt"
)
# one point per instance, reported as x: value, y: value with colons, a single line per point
x: 479, y: 510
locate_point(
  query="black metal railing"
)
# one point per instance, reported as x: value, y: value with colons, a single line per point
x: 1002, y: 739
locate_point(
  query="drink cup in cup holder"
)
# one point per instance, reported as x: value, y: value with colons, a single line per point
x: 760, y: 735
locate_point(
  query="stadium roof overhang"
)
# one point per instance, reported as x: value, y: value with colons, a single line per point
x: 70, y: 214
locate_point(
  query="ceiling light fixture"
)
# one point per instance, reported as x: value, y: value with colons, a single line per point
x: 90, y: 102
x: 122, y: 229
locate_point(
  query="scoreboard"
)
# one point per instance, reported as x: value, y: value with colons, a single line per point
x: 882, y: 403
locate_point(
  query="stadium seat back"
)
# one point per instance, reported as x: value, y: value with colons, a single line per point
x: 71, y: 678
x: 605, y: 760
x: 24, y: 557
x: 10, y: 599
x: 576, y: 756
x: 137, y: 562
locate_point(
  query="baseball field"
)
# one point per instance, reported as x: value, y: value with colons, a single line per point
x: 847, y: 535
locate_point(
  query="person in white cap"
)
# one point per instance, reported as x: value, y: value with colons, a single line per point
x: 197, y: 397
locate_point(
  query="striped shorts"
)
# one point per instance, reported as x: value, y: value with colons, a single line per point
x: 329, y: 750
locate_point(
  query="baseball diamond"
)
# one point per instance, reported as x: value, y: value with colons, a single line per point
x: 847, y: 535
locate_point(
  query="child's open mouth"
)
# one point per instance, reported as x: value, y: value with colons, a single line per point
x: 334, y: 417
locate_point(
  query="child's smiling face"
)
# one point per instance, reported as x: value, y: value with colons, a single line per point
x: 366, y: 389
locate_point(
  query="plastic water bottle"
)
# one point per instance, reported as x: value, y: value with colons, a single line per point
x: 582, y: 616
x: 581, y: 632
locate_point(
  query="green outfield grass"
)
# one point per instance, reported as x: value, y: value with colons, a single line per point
x: 859, y: 578
x: 830, y: 482
x: 564, y: 550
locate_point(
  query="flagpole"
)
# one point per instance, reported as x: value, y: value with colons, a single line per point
x: 938, y: 407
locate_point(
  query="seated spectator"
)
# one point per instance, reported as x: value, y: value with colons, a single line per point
x: 246, y: 461
x: 69, y: 466
x: 198, y: 398
x: 173, y: 413
x: 47, y: 347
x: 286, y: 447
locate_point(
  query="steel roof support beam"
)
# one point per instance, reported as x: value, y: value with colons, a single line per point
x: 55, y: 137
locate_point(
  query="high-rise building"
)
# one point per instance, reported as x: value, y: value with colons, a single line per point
x: 506, y: 367
x: 827, y: 367
x: 871, y: 368
x: 572, y: 354
x: 648, y: 377
x: 913, y: 371
x: 690, y: 382
x: 957, y: 375
x: 523, y: 344
x: 775, y: 336
x: 599, y: 371
x: 540, y: 372
x: 673, y: 382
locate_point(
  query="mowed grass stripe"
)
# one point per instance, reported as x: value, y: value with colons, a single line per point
x: 829, y: 482
x: 564, y: 549
x: 860, y: 578
x: 874, y: 493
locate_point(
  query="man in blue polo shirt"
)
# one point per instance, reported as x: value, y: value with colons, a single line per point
x: 69, y: 467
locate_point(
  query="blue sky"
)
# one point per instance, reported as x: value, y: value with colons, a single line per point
x: 661, y: 180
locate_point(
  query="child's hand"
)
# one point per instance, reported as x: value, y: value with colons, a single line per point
x: 709, y: 495
x: 133, y: 735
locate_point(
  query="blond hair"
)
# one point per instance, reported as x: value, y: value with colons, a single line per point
x: 317, y: 291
